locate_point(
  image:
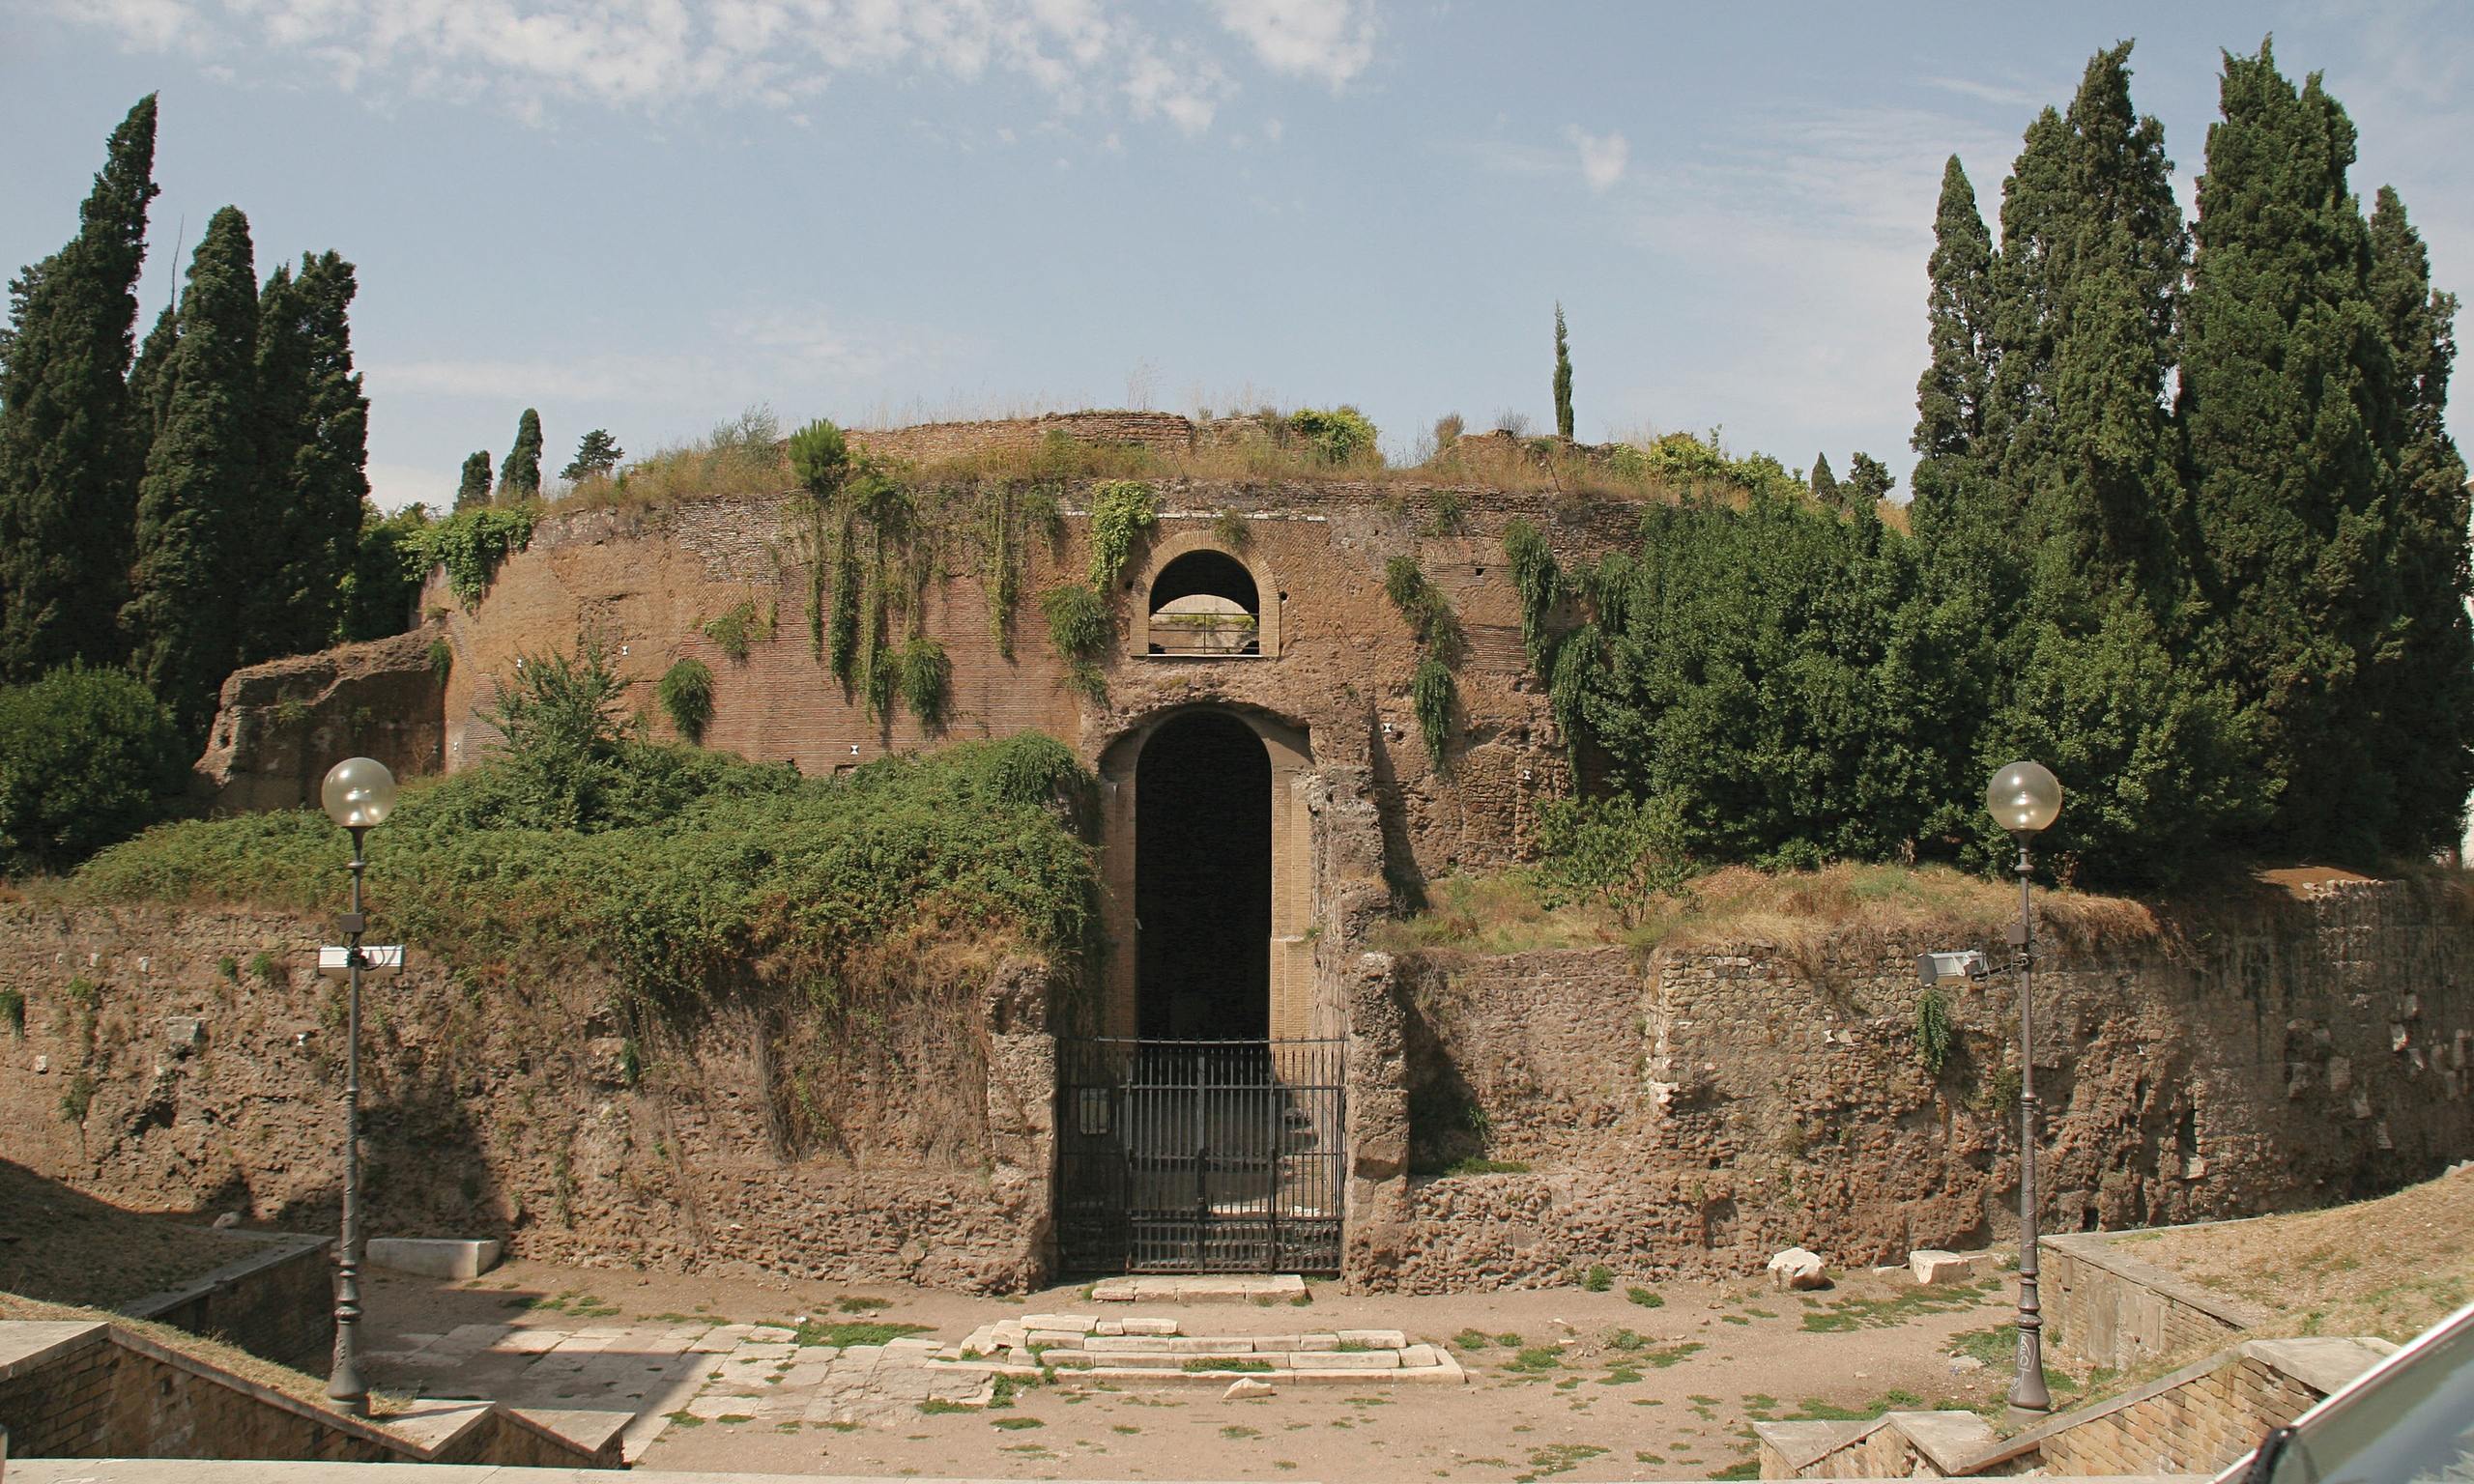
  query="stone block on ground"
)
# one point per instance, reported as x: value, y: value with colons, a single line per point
x: 1245, y: 1387
x: 1231, y: 1288
x: 1382, y: 1339
x: 1932, y: 1266
x: 433, y: 1257
x: 1797, y: 1267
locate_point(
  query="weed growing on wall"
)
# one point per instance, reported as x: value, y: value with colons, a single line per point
x: 1936, y: 1034
x: 925, y: 679
x: 1432, y: 692
x: 441, y: 659
x: 686, y: 696
x: 739, y: 627
x: 1122, y: 513
x: 12, y: 1012
x: 1078, y: 627
x: 1337, y: 435
x: 1538, y: 583
x: 471, y: 544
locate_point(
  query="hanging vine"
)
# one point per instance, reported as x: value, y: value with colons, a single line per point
x: 1441, y: 644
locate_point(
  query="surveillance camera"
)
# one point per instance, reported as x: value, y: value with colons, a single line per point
x: 1953, y: 968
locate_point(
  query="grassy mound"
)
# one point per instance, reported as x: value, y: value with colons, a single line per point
x: 688, y: 873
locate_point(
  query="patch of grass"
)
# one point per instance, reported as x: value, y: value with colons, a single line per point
x: 1599, y: 1279
x: 735, y: 1417
x: 1537, y: 1358
x: 853, y: 1332
x: 1126, y: 1429
x: 938, y: 1407
x: 1236, y: 1430
x: 1733, y: 1319
x: 1645, y: 1297
x: 1673, y: 1353
x: 858, y: 1303
x: 1471, y: 1339
x: 1559, y: 1458
x: 1848, y: 1314
x: 1205, y: 1363
x: 1017, y: 1424
x: 1749, y: 1469
x: 1621, y: 1376
x: 685, y: 1420
x: 1510, y: 1339
x: 1994, y: 1347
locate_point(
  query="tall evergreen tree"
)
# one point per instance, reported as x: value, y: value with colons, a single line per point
x: 520, y: 477
x: 2081, y: 460
x: 2289, y: 402
x: 474, y: 490
x: 198, y: 531
x: 66, y: 435
x: 1562, y: 380
x: 2424, y: 674
x: 150, y: 385
x: 312, y: 452
x: 1825, y: 483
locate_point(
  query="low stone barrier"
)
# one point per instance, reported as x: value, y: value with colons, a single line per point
x: 2109, y: 1308
x: 277, y: 1304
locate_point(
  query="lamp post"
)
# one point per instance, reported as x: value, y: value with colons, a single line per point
x: 359, y: 794
x: 2024, y: 799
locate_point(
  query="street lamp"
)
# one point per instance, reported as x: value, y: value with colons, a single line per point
x: 359, y: 794
x: 2024, y: 799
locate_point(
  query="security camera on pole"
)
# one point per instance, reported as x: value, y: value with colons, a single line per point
x: 359, y: 794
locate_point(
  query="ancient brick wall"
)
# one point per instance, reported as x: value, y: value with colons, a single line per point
x: 519, y: 1109
x: 645, y: 583
x: 1698, y: 1113
x: 2197, y: 1426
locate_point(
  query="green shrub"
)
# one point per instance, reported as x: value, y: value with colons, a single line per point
x: 1619, y: 852
x: 441, y: 659
x: 1645, y: 1297
x: 12, y: 1012
x: 819, y: 457
x: 87, y: 757
x: 262, y: 964
x: 79, y: 1096
x: 1537, y: 581
x: 1599, y: 1279
x: 925, y: 681
x: 1338, y: 434
x: 1231, y: 529
x: 385, y: 579
x: 686, y: 696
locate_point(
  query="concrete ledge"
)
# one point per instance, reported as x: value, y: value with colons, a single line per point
x: 1284, y: 1288
x: 433, y: 1257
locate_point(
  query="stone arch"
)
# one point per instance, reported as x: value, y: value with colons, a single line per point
x: 1287, y: 963
x: 1171, y: 551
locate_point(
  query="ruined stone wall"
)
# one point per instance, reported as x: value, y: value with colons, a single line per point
x: 1700, y: 1112
x: 281, y: 725
x: 520, y: 1110
x: 645, y: 583
x: 931, y: 441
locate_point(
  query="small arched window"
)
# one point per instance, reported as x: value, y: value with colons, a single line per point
x: 1205, y: 602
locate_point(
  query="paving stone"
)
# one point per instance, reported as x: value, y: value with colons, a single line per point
x: 1353, y: 1360
x: 1133, y: 1326
x: 1079, y: 1324
x: 1416, y: 1355
x: 1384, y: 1339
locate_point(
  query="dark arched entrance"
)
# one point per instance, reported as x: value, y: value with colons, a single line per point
x: 1202, y: 881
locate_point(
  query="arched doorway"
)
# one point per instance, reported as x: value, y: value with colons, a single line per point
x: 1203, y: 874
x: 1201, y: 1116
x: 1204, y: 604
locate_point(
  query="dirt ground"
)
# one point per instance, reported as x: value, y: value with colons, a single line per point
x: 63, y: 1246
x: 2391, y: 1267
x: 1565, y: 1383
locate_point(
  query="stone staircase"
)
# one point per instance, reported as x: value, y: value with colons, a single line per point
x: 1082, y: 1348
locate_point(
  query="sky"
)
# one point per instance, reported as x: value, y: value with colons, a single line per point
x: 646, y: 215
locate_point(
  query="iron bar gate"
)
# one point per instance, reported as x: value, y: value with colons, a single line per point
x: 1199, y: 1156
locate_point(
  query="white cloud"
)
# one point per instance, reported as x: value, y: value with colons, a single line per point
x: 528, y: 56
x: 1603, y: 156
x: 1331, y: 39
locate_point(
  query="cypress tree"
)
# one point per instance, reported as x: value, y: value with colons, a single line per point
x: 1825, y: 483
x: 474, y: 490
x: 198, y: 521
x: 150, y: 385
x: 2083, y: 463
x: 1562, y: 380
x: 520, y: 477
x: 312, y: 455
x: 2289, y: 402
x: 66, y: 452
x: 2424, y: 674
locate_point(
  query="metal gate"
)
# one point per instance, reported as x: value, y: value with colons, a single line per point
x: 1199, y: 1156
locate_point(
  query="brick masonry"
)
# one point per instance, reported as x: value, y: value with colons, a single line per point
x: 2105, y: 1306
x: 277, y: 1302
